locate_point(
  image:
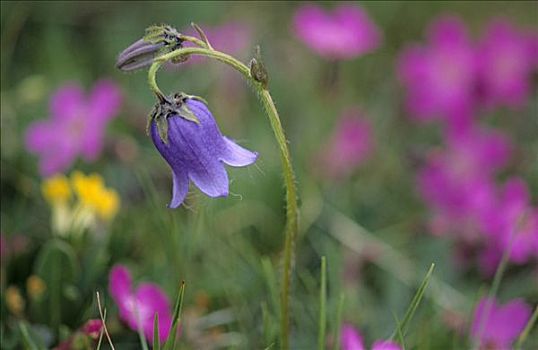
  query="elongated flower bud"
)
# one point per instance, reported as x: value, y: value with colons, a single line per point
x: 158, y: 40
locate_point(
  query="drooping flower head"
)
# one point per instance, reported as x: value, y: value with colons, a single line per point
x: 138, y: 306
x: 440, y: 77
x: 187, y: 136
x: 351, y: 339
x: 497, y: 326
x: 158, y: 40
x: 344, y: 34
x: 76, y: 126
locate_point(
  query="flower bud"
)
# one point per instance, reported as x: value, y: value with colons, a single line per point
x: 157, y: 41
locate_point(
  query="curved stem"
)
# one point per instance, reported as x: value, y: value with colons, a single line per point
x: 287, y: 168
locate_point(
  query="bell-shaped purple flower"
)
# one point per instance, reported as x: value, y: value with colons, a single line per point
x: 187, y: 136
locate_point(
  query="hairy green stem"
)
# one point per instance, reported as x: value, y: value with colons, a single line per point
x: 287, y: 168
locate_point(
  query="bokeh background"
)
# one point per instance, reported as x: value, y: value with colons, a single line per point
x: 363, y: 203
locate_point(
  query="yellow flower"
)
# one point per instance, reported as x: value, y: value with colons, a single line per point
x: 92, y: 193
x: 35, y: 287
x: 56, y: 190
x: 14, y: 300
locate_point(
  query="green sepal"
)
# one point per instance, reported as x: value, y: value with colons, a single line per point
x: 185, y: 112
x: 162, y: 128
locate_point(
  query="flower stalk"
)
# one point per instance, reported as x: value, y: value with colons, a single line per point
x: 287, y: 168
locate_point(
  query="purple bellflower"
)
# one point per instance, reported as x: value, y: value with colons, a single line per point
x: 187, y: 136
x: 496, y: 326
x: 138, y: 306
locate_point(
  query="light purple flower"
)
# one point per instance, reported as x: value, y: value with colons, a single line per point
x: 496, y: 326
x: 351, y: 339
x: 349, y: 146
x: 138, y: 306
x: 76, y: 126
x: 344, y: 34
x: 505, y: 65
x: 440, y: 77
x: 197, y: 151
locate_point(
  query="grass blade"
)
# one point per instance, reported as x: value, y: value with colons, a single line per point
x: 399, y: 330
x: 171, y: 341
x: 322, y: 305
x: 414, y: 304
x: 27, y: 340
x: 156, y: 342
x: 338, y: 328
x: 527, y: 330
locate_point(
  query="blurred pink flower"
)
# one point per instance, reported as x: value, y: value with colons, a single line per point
x: 92, y: 328
x: 458, y: 183
x: 344, y: 34
x: 234, y: 38
x: 139, y: 306
x: 351, y: 339
x: 514, y: 222
x: 76, y: 126
x: 440, y: 77
x: 496, y: 326
x: 349, y: 146
x: 505, y: 65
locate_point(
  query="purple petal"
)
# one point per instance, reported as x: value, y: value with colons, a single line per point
x: 386, y: 345
x: 180, y: 188
x: 150, y: 299
x: 105, y: 100
x: 499, y: 325
x: 120, y: 282
x: 67, y: 103
x: 350, y: 338
x: 211, y: 178
x: 235, y: 155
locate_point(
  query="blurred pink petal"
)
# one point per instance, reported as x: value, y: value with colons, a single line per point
x: 440, y: 76
x: 350, y: 338
x: 346, y: 33
x: 505, y: 64
x: 500, y: 327
x: 349, y: 146
x: 386, y: 345
x: 138, y: 306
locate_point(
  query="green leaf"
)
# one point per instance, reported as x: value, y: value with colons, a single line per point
x: 322, y: 305
x: 171, y: 341
x: 339, y: 312
x: 156, y: 342
x: 56, y: 264
x: 402, y: 327
x: 28, y: 341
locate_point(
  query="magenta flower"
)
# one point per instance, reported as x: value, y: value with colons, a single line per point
x: 515, y: 222
x: 195, y: 150
x: 76, y: 126
x: 138, y: 306
x: 349, y: 146
x: 440, y: 77
x: 351, y: 339
x: 344, y: 34
x: 496, y: 326
x: 458, y: 182
x: 505, y: 65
